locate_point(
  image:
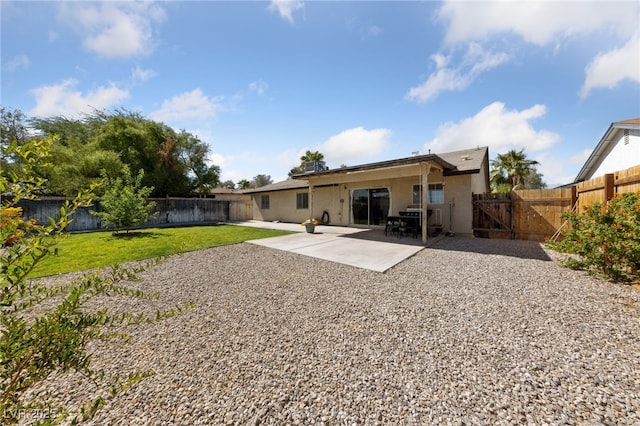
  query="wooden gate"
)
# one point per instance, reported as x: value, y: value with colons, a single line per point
x: 493, y: 216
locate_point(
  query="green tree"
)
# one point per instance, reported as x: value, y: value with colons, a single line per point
x: 244, y: 184
x: 508, y: 171
x: 77, y: 161
x: 77, y: 166
x: 174, y: 163
x: 47, y: 329
x: 202, y: 177
x: 227, y: 184
x: 307, y: 157
x: 124, y: 202
x: 13, y: 128
x: 533, y: 180
x: 261, y: 180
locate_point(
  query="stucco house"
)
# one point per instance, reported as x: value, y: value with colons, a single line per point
x: 619, y: 149
x: 366, y: 195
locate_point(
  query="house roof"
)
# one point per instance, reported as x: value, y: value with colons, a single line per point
x: 465, y: 161
x: 225, y: 191
x: 279, y: 186
x: 453, y: 163
x: 604, y: 147
x: 458, y: 162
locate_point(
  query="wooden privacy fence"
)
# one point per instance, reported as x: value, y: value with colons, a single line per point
x: 492, y: 215
x: 606, y: 187
x: 536, y: 214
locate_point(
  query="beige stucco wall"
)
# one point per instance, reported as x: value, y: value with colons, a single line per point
x: 282, y: 207
x: 457, y: 210
x: 332, y: 193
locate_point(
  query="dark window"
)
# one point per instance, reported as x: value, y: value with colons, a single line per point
x: 302, y: 200
x: 417, y: 194
x: 264, y: 202
x: 436, y: 193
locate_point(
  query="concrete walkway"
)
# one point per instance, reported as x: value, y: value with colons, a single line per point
x: 362, y: 248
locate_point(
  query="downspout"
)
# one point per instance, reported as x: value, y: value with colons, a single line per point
x: 425, y: 168
x: 310, y: 201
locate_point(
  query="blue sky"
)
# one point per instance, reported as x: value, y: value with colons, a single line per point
x: 262, y: 82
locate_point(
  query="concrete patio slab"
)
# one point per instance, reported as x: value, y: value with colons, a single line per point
x: 362, y: 248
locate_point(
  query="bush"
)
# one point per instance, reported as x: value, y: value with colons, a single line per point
x: 606, y: 238
x: 125, y: 201
x: 13, y: 226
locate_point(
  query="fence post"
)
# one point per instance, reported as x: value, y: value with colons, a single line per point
x: 608, y: 186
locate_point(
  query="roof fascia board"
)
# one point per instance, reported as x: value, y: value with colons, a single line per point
x: 459, y: 173
x: 597, y: 153
x: 629, y: 126
x: 383, y: 165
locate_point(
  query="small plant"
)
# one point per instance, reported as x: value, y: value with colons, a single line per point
x: 605, y: 238
x: 125, y: 201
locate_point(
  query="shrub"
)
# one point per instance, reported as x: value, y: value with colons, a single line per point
x: 13, y: 226
x: 125, y: 201
x: 606, y: 238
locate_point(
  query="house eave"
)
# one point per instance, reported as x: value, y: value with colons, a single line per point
x: 382, y: 165
x: 460, y: 172
x: 603, y: 148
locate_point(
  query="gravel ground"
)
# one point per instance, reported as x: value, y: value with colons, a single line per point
x: 469, y: 331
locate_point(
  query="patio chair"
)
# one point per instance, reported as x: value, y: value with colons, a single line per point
x: 408, y: 226
x: 391, y: 226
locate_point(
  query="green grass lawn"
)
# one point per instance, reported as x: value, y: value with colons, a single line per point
x: 78, y: 252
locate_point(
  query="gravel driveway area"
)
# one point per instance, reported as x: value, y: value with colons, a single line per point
x: 468, y: 331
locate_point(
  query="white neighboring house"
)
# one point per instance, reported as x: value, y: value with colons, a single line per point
x: 619, y: 149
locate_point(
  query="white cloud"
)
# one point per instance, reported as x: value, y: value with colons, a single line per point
x: 219, y: 160
x: 374, y: 31
x: 610, y: 68
x: 497, y: 128
x: 188, y: 105
x: 141, y: 75
x: 259, y: 87
x: 286, y: 8
x: 581, y: 157
x: 354, y: 145
x: 62, y: 99
x: 246, y: 165
x: 554, y: 169
x: 474, y: 62
x: 16, y: 63
x: 114, y: 29
x: 562, y: 21
x: 539, y: 22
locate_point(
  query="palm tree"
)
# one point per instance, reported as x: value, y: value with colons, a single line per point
x: 311, y: 156
x: 244, y: 184
x: 508, y: 171
x: 307, y: 157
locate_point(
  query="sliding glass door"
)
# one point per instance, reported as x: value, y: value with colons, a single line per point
x: 370, y: 206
